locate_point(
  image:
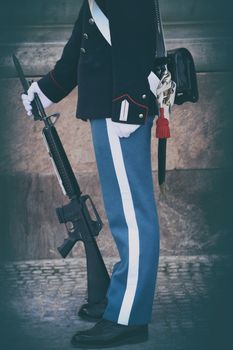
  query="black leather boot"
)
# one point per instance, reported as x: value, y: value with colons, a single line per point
x: 92, y: 312
x: 109, y: 334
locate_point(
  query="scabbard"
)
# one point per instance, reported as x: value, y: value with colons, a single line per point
x: 162, y: 146
x: 161, y: 61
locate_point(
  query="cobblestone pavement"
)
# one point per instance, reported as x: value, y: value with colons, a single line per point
x: 40, y: 299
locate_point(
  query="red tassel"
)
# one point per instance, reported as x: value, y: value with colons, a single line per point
x: 162, y: 126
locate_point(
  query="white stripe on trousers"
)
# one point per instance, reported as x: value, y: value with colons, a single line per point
x: 130, y: 217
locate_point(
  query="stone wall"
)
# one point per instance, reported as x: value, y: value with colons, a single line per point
x: 195, y: 217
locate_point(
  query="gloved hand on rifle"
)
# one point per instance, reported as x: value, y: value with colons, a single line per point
x: 29, y: 97
x: 121, y: 130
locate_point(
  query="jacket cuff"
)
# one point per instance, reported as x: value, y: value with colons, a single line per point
x: 52, y: 88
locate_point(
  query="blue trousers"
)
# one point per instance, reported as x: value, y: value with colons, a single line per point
x: 125, y: 173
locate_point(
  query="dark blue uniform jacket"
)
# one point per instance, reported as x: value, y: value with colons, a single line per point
x: 107, y: 75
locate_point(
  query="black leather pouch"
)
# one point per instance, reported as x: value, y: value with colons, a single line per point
x: 182, y: 68
x: 180, y: 64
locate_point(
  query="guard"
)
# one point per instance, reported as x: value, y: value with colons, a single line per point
x: 115, y: 96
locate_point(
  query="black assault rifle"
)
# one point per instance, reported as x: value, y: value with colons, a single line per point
x: 75, y: 215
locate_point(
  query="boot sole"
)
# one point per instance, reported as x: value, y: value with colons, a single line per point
x: 126, y: 341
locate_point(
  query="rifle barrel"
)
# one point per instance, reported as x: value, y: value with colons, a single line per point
x: 19, y: 70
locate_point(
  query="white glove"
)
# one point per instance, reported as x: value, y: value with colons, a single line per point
x: 29, y: 97
x: 123, y: 130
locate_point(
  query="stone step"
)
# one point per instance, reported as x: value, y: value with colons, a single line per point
x: 30, y: 12
x: 211, y: 50
x: 38, y: 31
